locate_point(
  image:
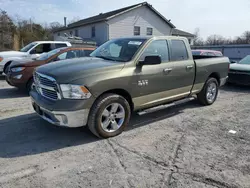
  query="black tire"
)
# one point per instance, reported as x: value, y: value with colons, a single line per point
x: 95, y: 116
x: 29, y: 85
x: 202, y: 96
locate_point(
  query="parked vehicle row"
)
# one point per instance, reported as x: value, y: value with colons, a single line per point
x: 240, y: 72
x: 121, y: 76
x: 20, y: 72
x: 32, y: 50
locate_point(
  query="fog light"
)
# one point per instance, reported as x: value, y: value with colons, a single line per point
x: 18, y: 76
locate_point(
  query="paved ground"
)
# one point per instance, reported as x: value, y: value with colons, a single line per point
x: 184, y: 146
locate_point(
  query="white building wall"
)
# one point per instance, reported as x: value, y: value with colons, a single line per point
x: 123, y: 25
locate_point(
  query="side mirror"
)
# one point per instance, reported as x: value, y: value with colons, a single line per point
x: 151, y: 60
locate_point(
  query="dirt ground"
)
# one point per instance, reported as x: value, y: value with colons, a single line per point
x: 186, y: 146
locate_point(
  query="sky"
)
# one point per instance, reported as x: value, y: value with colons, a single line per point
x: 228, y: 18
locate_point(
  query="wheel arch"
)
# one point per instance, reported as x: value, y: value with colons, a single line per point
x: 215, y: 75
x: 6, y: 64
x: 123, y: 93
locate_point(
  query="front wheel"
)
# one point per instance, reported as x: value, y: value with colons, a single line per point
x: 109, y: 116
x: 209, y: 93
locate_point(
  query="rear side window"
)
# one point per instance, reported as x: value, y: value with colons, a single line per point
x: 60, y: 45
x: 178, y: 50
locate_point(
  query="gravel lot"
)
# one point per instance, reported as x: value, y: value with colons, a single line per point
x: 183, y: 146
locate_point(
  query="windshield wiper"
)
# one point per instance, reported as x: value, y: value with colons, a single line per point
x: 106, y: 58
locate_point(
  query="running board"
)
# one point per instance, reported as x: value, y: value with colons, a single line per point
x: 161, y: 107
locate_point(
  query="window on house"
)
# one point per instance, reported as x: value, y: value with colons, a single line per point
x: 178, y: 50
x: 137, y: 30
x: 76, y: 32
x: 93, y: 31
x: 149, y: 31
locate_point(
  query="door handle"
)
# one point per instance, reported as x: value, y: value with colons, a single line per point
x: 167, y: 70
x: 190, y: 67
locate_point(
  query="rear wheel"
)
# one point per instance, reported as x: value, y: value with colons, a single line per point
x: 209, y: 93
x: 109, y: 116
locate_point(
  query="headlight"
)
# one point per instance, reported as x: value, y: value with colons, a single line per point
x: 17, y: 69
x: 74, y: 91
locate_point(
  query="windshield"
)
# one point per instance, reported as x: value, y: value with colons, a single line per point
x: 46, y: 56
x: 245, y: 60
x: 28, y: 47
x: 121, y: 50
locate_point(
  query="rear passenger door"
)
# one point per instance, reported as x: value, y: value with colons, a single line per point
x: 182, y: 72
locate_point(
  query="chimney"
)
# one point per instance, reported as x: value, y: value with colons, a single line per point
x: 65, y: 21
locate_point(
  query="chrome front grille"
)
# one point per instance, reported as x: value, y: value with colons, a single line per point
x: 46, y: 86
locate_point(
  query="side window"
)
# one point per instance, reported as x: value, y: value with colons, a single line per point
x: 211, y: 54
x: 178, y: 50
x: 83, y: 53
x: 60, y: 45
x: 115, y: 50
x: 41, y: 48
x: 67, y: 55
x: 62, y: 56
x: 87, y: 52
x: 157, y: 47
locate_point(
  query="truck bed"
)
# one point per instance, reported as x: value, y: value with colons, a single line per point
x: 205, y: 66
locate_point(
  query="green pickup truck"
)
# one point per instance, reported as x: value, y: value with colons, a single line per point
x: 121, y: 76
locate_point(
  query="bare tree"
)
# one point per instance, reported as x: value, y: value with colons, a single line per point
x: 55, y: 25
x: 198, y: 41
x: 215, y: 40
x: 246, y: 37
x: 7, y: 29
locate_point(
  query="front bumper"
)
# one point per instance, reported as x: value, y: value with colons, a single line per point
x: 60, y: 118
x: 240, y: 79
x: 66, y: 113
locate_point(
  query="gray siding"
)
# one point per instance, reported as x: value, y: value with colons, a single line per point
x: 143, y: 17
x: 101, y: 32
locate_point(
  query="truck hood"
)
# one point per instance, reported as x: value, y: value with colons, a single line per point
x: 240, y: 67
x: 13, y: 54
x: 72, y: 69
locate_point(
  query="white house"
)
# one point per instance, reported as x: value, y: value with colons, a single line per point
x: 136, y: 20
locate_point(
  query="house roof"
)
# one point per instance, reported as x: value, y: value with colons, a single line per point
x: 108, y: 15
x: 178, y: 32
